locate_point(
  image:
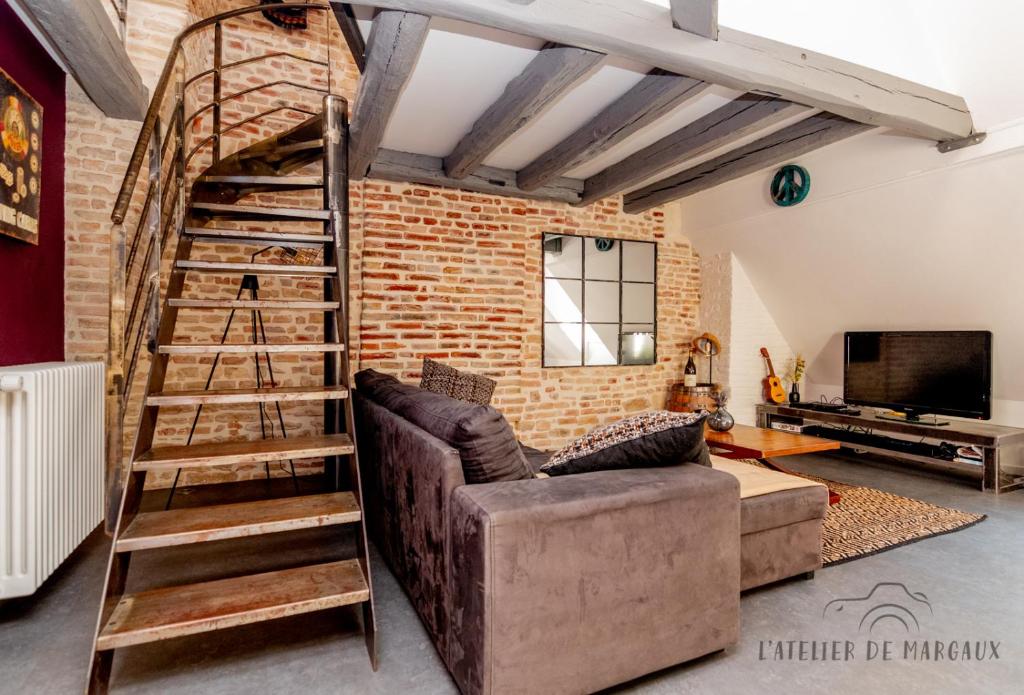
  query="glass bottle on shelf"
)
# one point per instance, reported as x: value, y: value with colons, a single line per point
x: 690, y: 372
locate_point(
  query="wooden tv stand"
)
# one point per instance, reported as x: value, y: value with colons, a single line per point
x: 1002, y: 447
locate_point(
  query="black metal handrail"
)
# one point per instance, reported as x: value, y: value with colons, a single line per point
x: 164, y: 138
x: 160, y: 93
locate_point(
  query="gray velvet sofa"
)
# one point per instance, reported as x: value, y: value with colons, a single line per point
x: 563, y: 585
x: 781, y: 535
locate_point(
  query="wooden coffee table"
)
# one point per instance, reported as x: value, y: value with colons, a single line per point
x: 746, y: 442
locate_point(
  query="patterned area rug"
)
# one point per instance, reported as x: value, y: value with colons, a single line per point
x: 866, y: 521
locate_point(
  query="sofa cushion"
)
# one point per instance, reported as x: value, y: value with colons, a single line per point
x: 783, y: 508
x: 372, y: 383
x: 535, y: 458
x: 756, y: 479
x: 772, y: 499
x: 449, y: 381
x: 484, y: 439
x: 658, y: 438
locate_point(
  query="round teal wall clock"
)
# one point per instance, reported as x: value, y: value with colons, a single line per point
x: 604, y: 244
x: 791, y: 185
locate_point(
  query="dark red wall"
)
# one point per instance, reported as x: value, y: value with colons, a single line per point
x: 32, y: 277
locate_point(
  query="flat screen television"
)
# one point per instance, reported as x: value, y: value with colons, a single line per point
x: 915, y: 372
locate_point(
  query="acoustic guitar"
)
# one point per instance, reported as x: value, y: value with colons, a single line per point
x: 773, y: 391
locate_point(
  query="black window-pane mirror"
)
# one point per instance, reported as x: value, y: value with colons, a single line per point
x: 600, y: 301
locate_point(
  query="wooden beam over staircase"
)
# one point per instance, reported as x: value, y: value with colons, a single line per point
x: 391, y: 54
x: 90, y: 49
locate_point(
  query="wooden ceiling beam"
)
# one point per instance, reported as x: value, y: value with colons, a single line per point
x: 394, y: 46
x: 554, y: 71
x: 789, y: 143
x: 736, y: 120
x: 698, y: 17
x: 353, y: 34
x: 643, y: 32
x: 84, y: 38
x: 403, y: 167
x: 657, y: 94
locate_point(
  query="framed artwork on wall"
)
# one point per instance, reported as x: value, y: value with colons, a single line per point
x: 21, y: 147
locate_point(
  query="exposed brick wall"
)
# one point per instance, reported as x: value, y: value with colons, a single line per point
x: 435, y: 272
x: 97, y: 150
x: 457, y: 277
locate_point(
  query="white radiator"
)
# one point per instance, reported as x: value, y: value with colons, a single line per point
x: 51, y: 468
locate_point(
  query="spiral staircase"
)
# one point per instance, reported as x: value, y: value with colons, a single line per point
x: 191, y: 214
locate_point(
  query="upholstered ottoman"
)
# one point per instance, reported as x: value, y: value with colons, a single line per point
x: 781, y: 520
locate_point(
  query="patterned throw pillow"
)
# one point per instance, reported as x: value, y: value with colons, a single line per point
x: 657, y: 438
x: 449, y: 381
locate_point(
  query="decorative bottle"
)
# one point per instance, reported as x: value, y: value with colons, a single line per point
x: 690, y: 372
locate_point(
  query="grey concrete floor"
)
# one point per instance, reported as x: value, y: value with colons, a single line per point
x: 972, y: 579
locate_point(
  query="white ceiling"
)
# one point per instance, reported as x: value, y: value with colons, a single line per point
x: 463, y: 69
x: 614, y: 78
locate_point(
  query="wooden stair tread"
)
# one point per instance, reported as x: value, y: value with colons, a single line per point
x: 245, y: 211
x: 247, y: 348
x: 250, y: 395
x: 299, y: 146
x: 282, y: 181
x: 250, y: 451
x: 150, y: 530
x: 257, y: 236
x: 250, y: 304
x: 257, y: 268
x: 193, y: 608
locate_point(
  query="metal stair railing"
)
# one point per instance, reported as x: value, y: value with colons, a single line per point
x: 150, y: 211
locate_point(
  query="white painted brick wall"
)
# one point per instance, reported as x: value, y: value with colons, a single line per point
x: 732, y: 309
x: 752, y: 328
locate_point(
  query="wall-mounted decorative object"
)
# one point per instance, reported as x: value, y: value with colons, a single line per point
x: 21, y: 146
x: 286, y: 17
x: 791, y: 185
x: 600, y: 304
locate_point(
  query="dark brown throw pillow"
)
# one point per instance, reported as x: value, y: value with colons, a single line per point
x: 485, y: 441
x: 370, y: 382
x: 472, y: 388
x: 658, y: 438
